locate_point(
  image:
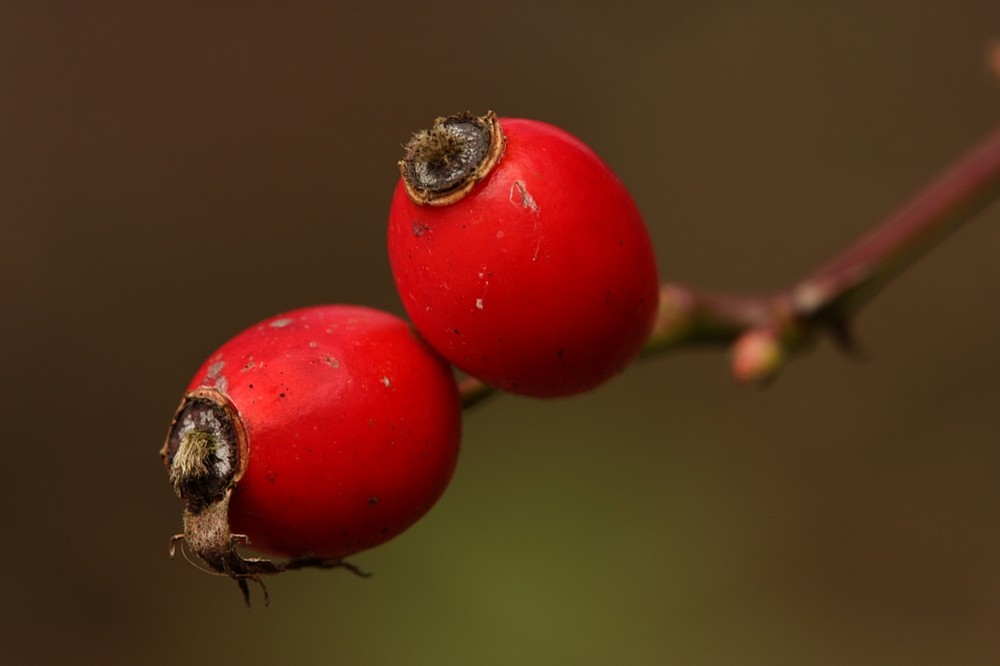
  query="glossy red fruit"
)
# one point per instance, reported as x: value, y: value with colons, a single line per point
x: 520, y: 256
x: 316, y: 434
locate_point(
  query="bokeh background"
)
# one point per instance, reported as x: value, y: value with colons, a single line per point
x: 173, y: 172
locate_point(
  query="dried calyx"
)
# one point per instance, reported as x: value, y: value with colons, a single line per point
x: 206, y: 454
x: 443, y: 163
x: 202, y: 452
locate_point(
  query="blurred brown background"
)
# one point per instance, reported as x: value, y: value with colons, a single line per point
x: 173, y: 172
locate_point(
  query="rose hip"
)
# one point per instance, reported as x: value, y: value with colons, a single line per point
x: 520, y: 256
x: 312, y: 436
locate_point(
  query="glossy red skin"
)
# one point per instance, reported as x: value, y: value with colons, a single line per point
x: 542, y: 280
x: 353, y: 426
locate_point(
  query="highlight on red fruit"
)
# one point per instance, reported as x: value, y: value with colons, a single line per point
x: 311, y: 436
x: 520, y: 256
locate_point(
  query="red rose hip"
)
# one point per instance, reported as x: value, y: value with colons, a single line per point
x: 313, y: 435
x: 520, y: 256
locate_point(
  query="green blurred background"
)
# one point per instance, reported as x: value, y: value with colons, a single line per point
x: 173, y: 172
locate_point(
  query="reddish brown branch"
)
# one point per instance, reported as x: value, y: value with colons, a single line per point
x: 956, y: 195
x: 766, y: 328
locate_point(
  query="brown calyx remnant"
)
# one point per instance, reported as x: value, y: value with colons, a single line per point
x: 206, y: 455
x: 442, y: 164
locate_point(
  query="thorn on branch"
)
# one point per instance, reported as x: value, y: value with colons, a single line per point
x: 843, y: 337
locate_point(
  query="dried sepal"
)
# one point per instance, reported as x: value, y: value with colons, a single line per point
x: 206, y: 454
x: 443, y: 163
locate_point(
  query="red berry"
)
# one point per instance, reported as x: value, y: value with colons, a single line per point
x: 520, y: 256
x: 316, y: 434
